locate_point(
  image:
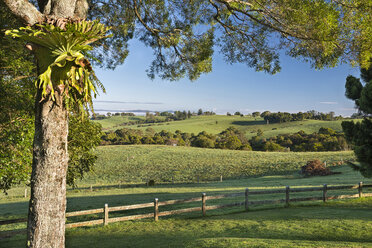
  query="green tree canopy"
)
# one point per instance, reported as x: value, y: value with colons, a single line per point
x: 184, y: 34
x: 359, y: 134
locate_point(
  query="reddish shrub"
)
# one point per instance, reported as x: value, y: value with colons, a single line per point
x: 315, y: 168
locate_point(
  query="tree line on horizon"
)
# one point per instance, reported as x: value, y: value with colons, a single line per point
x: 150, y: 117
x: 269, y: 117
x: 281, y: 117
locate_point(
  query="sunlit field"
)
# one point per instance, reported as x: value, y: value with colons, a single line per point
x: 216, y: 123
x: 121, y: 173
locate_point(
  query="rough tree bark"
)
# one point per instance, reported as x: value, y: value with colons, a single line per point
x: 46, y: 218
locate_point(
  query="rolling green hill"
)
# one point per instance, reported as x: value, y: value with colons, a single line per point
x: 217, y: 123
x: 140, y: 163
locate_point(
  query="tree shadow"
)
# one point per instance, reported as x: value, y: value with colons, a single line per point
x: 301, y: 224
x: 321, y: 223
x: 248, y: 123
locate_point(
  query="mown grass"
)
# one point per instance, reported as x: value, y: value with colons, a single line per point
x: 217, y: 123
x: 329, y: 225
x: 345, y: 223
x: 336, y: 224
x: 14, y: 204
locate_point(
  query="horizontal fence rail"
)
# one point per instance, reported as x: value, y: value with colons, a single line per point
x: 203, y: 208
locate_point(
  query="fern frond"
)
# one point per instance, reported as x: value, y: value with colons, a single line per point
x: 65, y: 61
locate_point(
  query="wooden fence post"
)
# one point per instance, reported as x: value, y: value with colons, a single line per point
x: 287, y: 196
x: 221, y: 178
x: 106, y: 212
x: 324, y: 192
x: 246, y: 199
x: 91, y: 188
x: 156, y: 209
x: 204, y: 209
x: 25, y: 192
x: 360, y: 189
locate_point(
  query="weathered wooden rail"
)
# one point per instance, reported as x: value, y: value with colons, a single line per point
x: 204, y: 207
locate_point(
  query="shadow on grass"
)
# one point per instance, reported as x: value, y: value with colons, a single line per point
x: 227, y: 182
x: 327, y: 223
x: 144, y: 194
x: 248, y: 123
x: 13, y: 210
x: 338, y: 222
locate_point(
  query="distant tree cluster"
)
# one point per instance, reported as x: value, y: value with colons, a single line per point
x: 238, y: 113
x: 325, y: 140
x: 108, y: 114
x: 176, y: 115
x: 231, y: 138
x: 281, y: 117
x: 201, y: 112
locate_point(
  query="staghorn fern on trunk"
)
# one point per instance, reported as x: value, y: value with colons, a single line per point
x: 61, y: 53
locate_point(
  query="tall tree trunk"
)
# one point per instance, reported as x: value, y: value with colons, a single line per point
x: 46, y: 220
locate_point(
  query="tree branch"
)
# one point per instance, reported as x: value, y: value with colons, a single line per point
x: 81, y: 8
x: 64, y: 9
x: 44, y: 6
x: 24, y: 10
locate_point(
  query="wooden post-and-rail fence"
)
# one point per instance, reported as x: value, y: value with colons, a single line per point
x: 204, y: 207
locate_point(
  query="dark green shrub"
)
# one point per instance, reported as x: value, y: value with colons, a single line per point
x: 151, y: 183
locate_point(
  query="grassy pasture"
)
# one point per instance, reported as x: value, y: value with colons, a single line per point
x: 137, y: 164
x: 115, y: 121
x: 342, y: 223
x: 217, y: 123
x: 345, y: 223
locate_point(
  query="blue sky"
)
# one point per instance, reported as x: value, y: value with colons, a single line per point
x: 228, y: 88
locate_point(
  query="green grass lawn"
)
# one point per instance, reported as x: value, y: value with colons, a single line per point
x: 217, y: 123
x: 329, y: 225
x: 115, y: 121
x: 342, y: 223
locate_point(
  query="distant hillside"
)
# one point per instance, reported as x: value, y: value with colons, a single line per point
x: 217, y: 123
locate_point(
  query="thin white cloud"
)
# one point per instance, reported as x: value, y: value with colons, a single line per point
x: 329, y: 103
x: 102, y: 101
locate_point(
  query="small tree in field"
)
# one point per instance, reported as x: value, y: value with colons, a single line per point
x: 256, y: 114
